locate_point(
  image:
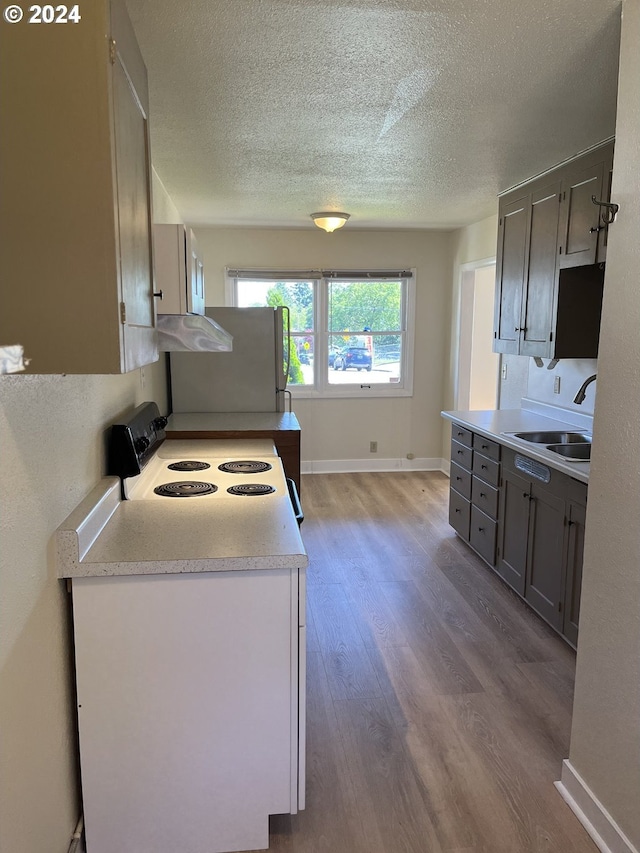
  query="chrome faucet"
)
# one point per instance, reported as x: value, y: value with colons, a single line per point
x: 582, y: 392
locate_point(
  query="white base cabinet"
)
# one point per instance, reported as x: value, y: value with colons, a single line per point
x: 191, y: 707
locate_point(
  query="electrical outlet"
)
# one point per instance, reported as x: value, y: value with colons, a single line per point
x: 373, y: 447
x: 556, y: 384
x: 411, y: 456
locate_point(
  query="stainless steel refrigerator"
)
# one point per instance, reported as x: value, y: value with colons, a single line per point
x: 251, y: 378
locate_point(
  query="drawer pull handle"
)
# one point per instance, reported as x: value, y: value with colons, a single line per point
x: 484, y: 467
x: 481, y: 530
x: 482, y: 495
x: 460, y: 433
x: 458, y: 478
x: 460, y: 452
x: 484, y: 446
x: 457, y: 510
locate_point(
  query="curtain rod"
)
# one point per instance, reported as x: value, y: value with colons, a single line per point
x: 304, y: 275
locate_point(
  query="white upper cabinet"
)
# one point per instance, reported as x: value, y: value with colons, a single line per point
x: 179, y: 270
x: 77, y: 258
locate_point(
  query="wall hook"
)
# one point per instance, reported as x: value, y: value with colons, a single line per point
x: 610, y: 212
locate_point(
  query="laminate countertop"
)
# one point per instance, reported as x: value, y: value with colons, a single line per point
x: 107, y: 536
x: 498, y: 424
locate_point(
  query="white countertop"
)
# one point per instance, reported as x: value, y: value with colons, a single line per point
x: 495, y: 423
x: 106, y: 536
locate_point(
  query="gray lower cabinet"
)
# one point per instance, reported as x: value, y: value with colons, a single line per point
x: 473, y: 500
x: 525, y: 520
x: 541, y: 532
x: 575, y: 551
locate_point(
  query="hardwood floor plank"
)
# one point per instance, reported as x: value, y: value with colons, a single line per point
x: 466, y: 807
x: 349, y: 671
x: 439, y: 705
x: 391, y: 797
x: 332, y: 820
x: 377, y: 622
x: 430, y: 642
x: 525, y: 785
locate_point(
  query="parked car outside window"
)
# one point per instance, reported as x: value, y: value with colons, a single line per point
x: 357, y: 357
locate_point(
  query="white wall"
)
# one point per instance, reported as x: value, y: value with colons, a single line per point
x: 572, y: 373
x: 340, y: 430
x: 52, y: 453
x: 605, y: 739
x: 52, y: 431
x: 475, y: 243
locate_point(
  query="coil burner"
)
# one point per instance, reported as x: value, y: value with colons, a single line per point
x: 251, y: 489
x: 244, y: 466
x: 185, y: 489
x: 188, y: 465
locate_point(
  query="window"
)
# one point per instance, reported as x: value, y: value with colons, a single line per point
x: 351, y: 333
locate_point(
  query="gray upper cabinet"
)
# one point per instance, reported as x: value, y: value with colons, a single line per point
x: 77, y: 263
x: 547, y: 228
x: 539, y: 284
x: 581, y: 238
x: 510, y: 273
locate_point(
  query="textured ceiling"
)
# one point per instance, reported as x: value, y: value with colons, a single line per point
x: 404, y: 113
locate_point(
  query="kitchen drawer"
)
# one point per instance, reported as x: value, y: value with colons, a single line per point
x: 464, y: 436
x: 487, y: 469
x: 459, y: 514
x: 486, y: 447
x: 485, y: 497
x: 461, y: 455
x: 482, y: 535
x: 460, y: 480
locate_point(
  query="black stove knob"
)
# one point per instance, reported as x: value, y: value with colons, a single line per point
x: 161, y: 422
x: 141, y: 444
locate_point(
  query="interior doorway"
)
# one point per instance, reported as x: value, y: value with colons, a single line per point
x: 478, y: 365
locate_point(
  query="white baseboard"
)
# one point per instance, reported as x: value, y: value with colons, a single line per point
x: 345, y: 466
x: 605, y: 832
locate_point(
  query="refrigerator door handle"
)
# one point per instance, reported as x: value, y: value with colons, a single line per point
x: 287, y: 344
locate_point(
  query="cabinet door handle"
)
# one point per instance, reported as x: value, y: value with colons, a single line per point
x: 481, y: 530
x: 458, y: 478
x: 595, y: 230
x: 525, y: 494
x: 159, y: 295
x: 457, y: 510
x: 520, y: 329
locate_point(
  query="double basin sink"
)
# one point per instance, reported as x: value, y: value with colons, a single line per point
x: 573, y: 446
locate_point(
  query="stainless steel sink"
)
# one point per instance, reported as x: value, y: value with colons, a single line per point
x: 555, y: 437
x: 577, y: 452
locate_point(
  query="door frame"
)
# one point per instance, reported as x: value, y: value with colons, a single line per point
x: 462, y: 363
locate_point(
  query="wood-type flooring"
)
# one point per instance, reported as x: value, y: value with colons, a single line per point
x: 438, y: 704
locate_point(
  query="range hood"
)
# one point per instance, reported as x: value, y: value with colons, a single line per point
x: 191, y: 333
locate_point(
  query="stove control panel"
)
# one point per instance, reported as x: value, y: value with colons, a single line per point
x: 133, y: 442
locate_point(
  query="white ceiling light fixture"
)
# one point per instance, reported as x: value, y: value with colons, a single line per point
x: 330, y: 220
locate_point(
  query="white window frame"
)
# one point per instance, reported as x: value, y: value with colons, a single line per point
x: 358, y: 389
